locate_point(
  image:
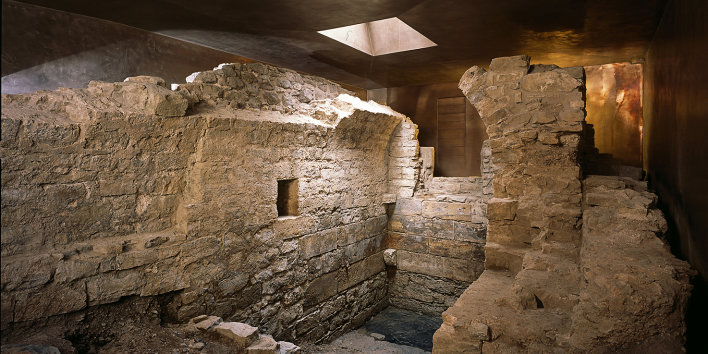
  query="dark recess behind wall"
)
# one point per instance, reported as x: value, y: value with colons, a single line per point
x: 420, y: 104
x: 675, y: 131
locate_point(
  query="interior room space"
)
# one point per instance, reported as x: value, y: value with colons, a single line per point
x: 398, y: 176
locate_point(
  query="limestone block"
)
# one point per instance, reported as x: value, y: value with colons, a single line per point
x: 543, y: 117
x: 205, y: 322
x: 549, y: 81
x: 427, y: 154
x: 30, y: 348
x: 239, y: 334
x: 450, y: 211
x: 164, y: 277
x: 361, y: 271
x: 510, y: 65
x: 408, y: 242
x: 287, y: 228
x: 318, y: 243
x: 388, y: 198
x: 7, y: 309
x: 321, y: 289
x: 470, y: 231
x: 23, y: 272
x: 474, y: 78
x: 390, y: 258
x: 572, y: 115
x: 147, y: 98
x: 440, y: 228
x: 415, y: 225
x: 147, y: 79
x: 408, y: 206
x: 502, y: 209
x: 456, y: 249
x: 577, y: 72
x: 109, y: 287
x: 548, y: 138
x: 420, y: 263
x: 59, y: 299
x: 73, y: 269
x: 462, y: 269
x: 264, y: 345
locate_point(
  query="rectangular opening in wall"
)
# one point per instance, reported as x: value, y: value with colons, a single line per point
x: 287, y: 197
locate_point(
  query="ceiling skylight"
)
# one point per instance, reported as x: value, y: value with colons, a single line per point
x: 386, y: 36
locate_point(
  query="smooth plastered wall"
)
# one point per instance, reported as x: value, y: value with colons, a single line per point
x: 676, y: 124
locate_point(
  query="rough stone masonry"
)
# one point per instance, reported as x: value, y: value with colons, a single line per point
x: 131, y: 189
x: 566, y: 270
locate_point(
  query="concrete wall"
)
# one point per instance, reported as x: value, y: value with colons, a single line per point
x: 126, y: 189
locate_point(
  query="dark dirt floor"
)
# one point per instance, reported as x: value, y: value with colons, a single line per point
x: 134, y: 325
x: 130, y: 326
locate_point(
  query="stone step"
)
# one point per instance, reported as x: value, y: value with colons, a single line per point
x: 567, y: 250
x: 486, y: 310
x: 504, y: 257
x: 240, y: 335
x: 463, y: 328
x: 264, y: 345
x: 551, y: 289
x: 551, y: 262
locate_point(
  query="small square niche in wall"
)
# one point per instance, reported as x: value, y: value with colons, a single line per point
x: 287, y: 197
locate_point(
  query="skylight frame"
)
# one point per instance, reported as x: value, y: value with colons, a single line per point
x: 381, y: 37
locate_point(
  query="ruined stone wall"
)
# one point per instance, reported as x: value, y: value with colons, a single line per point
x: 439, y: 236
x: 545, y: 286
x: 131, y: 189
x: 437, y: 227
x: 405, y: 164
x: 259, y: 86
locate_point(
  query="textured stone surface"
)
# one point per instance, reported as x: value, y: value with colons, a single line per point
x: 240, y: 335
x: 264, y: 345
x: 438, y: 235
x: 561, y: 275
x: 635, y: 290
x: 130, y: 188
x: 287, y: 347
x: 437, y: 226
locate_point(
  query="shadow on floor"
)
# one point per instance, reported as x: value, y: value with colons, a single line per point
x: 405, y: 327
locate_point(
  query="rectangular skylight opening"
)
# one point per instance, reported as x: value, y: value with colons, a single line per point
x: 386, y: 36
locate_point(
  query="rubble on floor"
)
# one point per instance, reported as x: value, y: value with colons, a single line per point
x: 241, y: 336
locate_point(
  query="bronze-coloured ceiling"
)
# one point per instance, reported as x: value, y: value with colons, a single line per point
x: 467, y: 32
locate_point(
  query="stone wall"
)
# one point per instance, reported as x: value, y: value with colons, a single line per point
x: 405, y: 164
x: 437, y: 226
x: 541, y: 275
x: 439, y: 236
x: 127, y: 189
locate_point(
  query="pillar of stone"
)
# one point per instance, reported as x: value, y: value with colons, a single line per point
x: 534, y: 119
